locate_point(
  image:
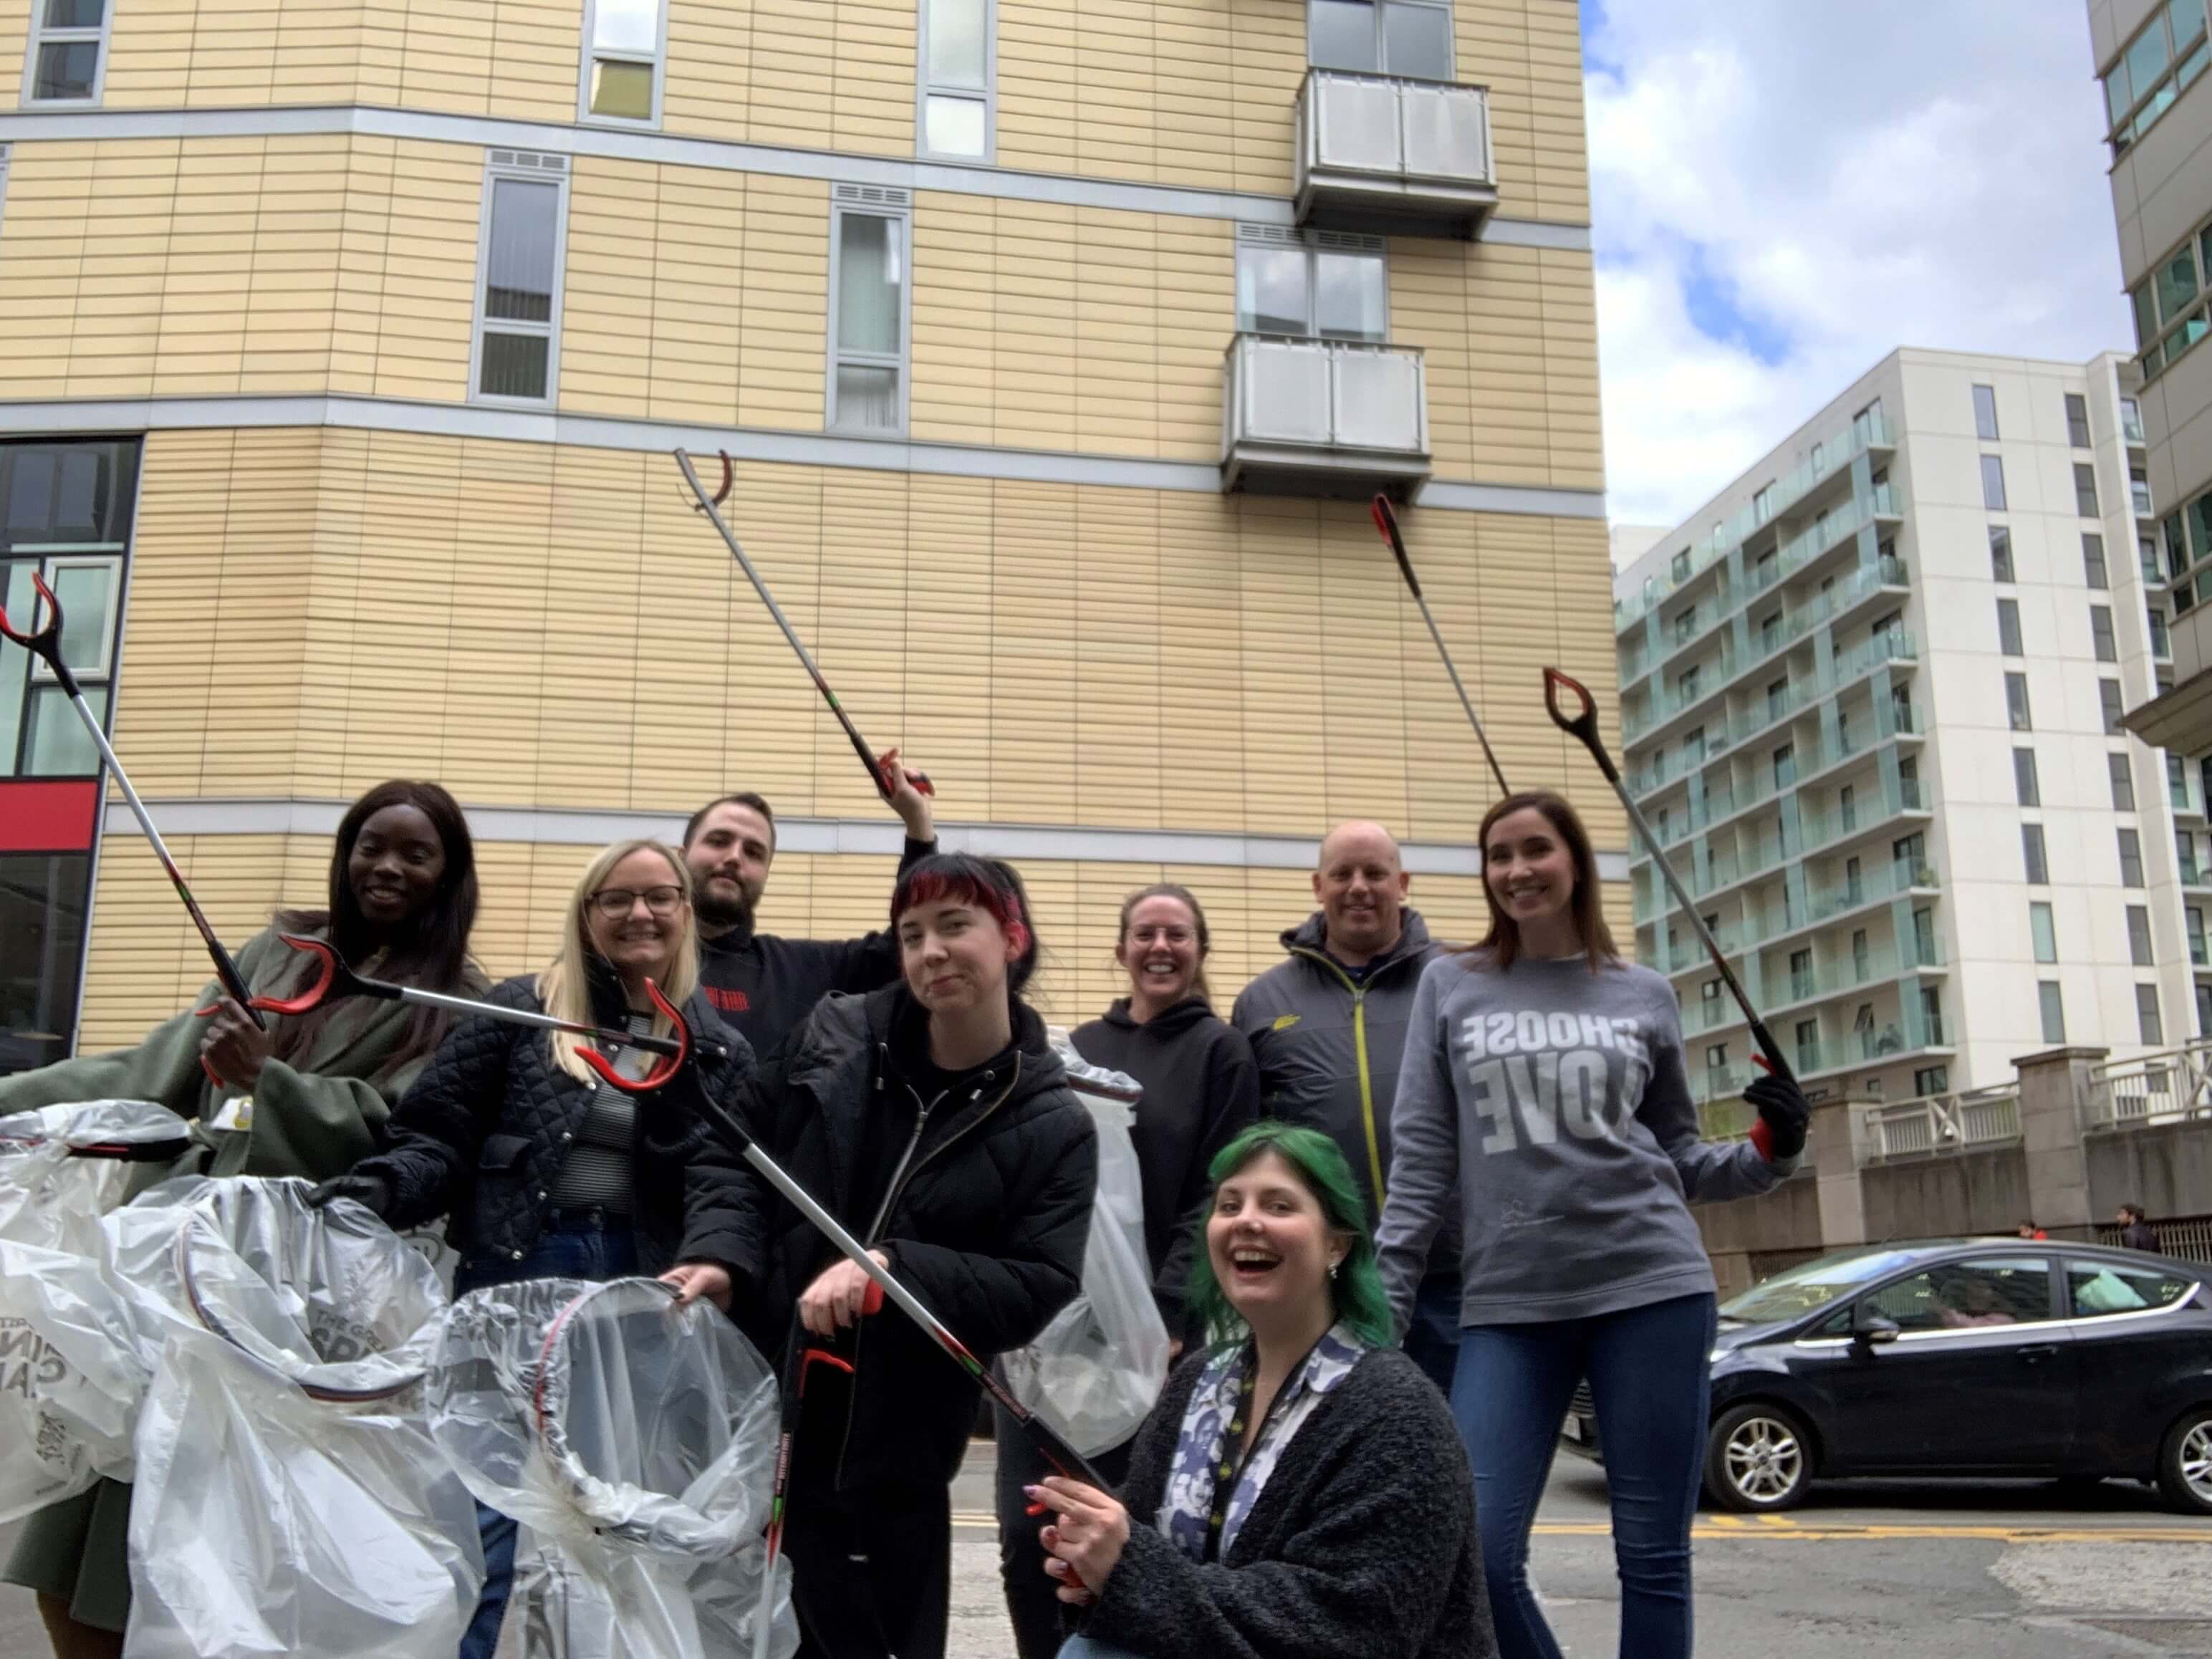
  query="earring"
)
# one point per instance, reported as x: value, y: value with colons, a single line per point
x: 1332, y: 1266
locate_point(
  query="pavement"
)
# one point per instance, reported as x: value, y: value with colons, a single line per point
x: 2020, y: 1570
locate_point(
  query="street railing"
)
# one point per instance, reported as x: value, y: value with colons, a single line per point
x: 1943, y: 1123
x: 2170, y: 1087
x: 2188, y: 1238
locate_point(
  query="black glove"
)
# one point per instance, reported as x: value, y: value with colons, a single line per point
x: 372, y: 1193
x: 1784, y: 1113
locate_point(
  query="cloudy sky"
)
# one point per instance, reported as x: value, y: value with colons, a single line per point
x: 1786, y: 190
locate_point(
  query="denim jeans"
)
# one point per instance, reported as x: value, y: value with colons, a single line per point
x: 588, y: 1245
x: 1432, y: 1335
x: 1652, y: 1379
x: 1081, y: 1647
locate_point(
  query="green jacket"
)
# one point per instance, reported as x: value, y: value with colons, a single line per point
x: 316, y: 1116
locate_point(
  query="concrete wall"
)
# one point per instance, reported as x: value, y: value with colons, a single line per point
x: 1954, y: 1193
x: 2166, y: 1168
x: 1786, y: 1219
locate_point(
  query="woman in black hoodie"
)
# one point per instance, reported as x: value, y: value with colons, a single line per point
x: 933, y: 1118
x: 1201, y: 1091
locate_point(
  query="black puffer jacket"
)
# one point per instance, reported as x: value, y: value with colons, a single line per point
x: 482, y: 1134
x: 986, y: 1203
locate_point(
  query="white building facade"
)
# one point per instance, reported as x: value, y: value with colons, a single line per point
x: 1871, y: 697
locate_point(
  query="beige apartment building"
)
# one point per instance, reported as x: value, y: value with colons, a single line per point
x: 344, y: 343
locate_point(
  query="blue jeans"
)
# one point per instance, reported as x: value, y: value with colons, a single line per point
x: 588, y: 1245
x: 1081, y: 1647
x: 1432, y: 1334
x: 1652, y: 1379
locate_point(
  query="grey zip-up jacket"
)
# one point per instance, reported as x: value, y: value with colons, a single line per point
x: 1329, y: 1049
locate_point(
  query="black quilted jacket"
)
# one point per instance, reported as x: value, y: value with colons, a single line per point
x: 482, y: 1133
x: 987, y: 1219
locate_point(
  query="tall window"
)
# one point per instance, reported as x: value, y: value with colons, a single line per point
x: 958, y: 49
x: 2139, y: 492
x: 2052, y: 1005
x: 519, y: 276
x: 2177, y: 783
x: 2198, y: 956
x: 68, y: 59
x: 1993, y: 489
x: 2016, y: 708
x: 2000, y: 554
x: 2131, y: 426
x: 2108, y: 693
x: 2092, y: 561
x: 2131, y: 865
x: 2100, y: 633
x: 1381, y: 37
x: 1986, y: 413
x: 2031, y: 856
x: 2023, y: 781
x: 2085, y: 489
x: 2139, y: 951
x: 1332, y: 293
x: 2043, y: 932
x: 622, y: 59
x: 1762, y: 504
x: 2009, y: 627
x: 2123, y: 783
x: 2077, y: 420
x: 867, y: 311
x: 2160, y: 63
x: 2147, y: 1018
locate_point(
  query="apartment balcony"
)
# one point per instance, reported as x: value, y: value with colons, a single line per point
x: 1848, y: 973
x: 1336, y: 418
x: 1886, y: 1043
x: 1825, y: 906
x: 1392, y: 156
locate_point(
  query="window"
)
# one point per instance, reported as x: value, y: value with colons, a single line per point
x: 1709, y: 995
x: 2092, y: 561
x: 2184, y: 848
x: 1847, y: 806
x: 519, y: 282
x: 2077, y: 420
x: 2000, y: 554
x: 2194, y: 918
x: 1762, y: 504
x: 1986, y: 413
x: 2085, y: 489
x: 2148, y: 1021
x: 2131, y: 426
x: 1381, y: 37
x: 1808, y: 1045
x: 1686, y: 626
x: 2043, y: 932
x: 1924, y: 936
x: 623, y: 62
x: 2123, y: 783
x: 1993, y: 489
x: 1861, y: 957
x: 2016, y: 702
x: 1800, y: 973
x: 867, y: 310
x: 2023, y: 778
x: 2164, y: 58
x: 1819, y: 460
x: 1908, y: 782
x: 68, y: 59
x: 2177, y: 783
x: 2139, y: 492
x: 1866, y: 426
x: 1966, y: 1295
x: 2008, y: 627
x: 2131, y: 868
x: 1685, y: 688
x: 1786, y: 765
x: 1931, y: 1080
x: 2031, y: 856
x: 2108, y: 693
x: 1288, y: 286
x: 2100, y: 633
x: 2139, y: 951
x: 1716, y: 1057
x: 1679, y: 569
x: 2094, y: 1290
x: 2053, y: 1003
x: 957, y: 45
x: 1770, y: 636
x: 1693, y: 747
x: 2162, y: 642
x: 1778, y: 699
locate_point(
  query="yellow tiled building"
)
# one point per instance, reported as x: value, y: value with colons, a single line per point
x: 344, y: 343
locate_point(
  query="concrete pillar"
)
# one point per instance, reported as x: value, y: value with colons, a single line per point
x: 1832, y: 1147
x: 2052, y: 1085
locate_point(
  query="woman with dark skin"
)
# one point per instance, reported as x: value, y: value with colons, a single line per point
x: 307, y: 1096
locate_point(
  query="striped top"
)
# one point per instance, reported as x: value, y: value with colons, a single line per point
x: 597, y: 1174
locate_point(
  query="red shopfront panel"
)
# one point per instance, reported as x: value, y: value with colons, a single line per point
x: 39, y: 816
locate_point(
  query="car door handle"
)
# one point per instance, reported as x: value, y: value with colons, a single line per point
x: 2041, y: 1350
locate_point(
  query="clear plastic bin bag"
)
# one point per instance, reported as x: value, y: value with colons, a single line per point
x: 1094, y: 1372
x: 634, y: 1439
x: 62, y: 1168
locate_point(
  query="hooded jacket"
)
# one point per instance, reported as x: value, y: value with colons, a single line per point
x: 1201, y: 1089
x: 980, y: 1194
x: 1329, y: 1049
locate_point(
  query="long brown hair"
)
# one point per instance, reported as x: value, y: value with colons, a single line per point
x: 1502, y: 942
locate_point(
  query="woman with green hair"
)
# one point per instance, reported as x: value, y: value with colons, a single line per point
x: 1299, y: 1488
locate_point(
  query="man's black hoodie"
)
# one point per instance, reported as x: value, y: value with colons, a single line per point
x: 1201, y: 1088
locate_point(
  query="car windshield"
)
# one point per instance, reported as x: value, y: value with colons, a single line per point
x: 1811, y: 1285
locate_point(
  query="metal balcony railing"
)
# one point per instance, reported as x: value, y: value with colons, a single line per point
x: 1323, y: 417
x: 2162, y: 1088
x: 1943, y: 1123
x: 1384, y: 153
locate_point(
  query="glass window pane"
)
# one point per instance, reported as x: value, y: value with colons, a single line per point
x: 2187, y: 19
x: 2044, y: 934
x: 626, y: 26
x: 622, y: 90
x: 868, y: 280
x: 1271, y: 291
x: 60, y: 747
x: 2053, y: 1004
x: 42, y: 905
x: 74, y: 14
x: 85, y: 591
x: 1985, y: 413
x: 518, y: 273
x: 868, y: 398
x: 66, y: 68
x: 2025, y: 785
x: 2177, y: 284
x: 1417, y: 42
x: 514, y: 365
x: 2033, y: 857
x: 15, y: 596
x: 955, y: 126
x: 1963, y: 1294
x: 958, y: 54
x: 2096, y: 1289
x: 1340, y: 35
x: 2117, y: 96
x: 2008, y: 627
x: 2146, y: 310
x: 2139, y: 946
x: 2147, y: 57
x: 1348, y: 293
x: 1993, y: 488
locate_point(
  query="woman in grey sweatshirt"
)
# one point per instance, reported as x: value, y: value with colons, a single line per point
x: 1543, y: 1102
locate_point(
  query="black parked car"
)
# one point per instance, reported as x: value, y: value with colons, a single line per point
x: 1968, y: 1357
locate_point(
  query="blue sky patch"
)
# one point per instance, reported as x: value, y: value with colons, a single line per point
x: 1715, y: 308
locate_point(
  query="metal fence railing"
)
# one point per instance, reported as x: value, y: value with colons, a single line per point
x: 2187, y: 1238
x: 2162, y: 1088
x: 1943, y: 1123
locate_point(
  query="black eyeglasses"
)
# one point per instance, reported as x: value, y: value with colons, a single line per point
x: 616, y: 903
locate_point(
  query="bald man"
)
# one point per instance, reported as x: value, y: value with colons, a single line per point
x: 1328, y: 1025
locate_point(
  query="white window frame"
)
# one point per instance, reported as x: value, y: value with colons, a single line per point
x: 532, y: 166
x: 1451, y: 39
x: 1312, y: 243
x: 590, y: 54
x: 925, y: 89
x: 81, y: 556
x: 41, y: 35
x: 875, y: 202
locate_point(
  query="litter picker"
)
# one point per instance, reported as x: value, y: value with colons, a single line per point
x: 1386, y: 520
x: 879, y: 773
x: 1584, y: 727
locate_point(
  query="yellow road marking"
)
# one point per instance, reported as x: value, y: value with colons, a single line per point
x: 1735, y: 1527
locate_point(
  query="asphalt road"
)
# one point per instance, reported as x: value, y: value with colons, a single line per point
x: 2022, y: 1570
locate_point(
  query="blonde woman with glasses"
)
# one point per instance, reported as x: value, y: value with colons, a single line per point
x: 546, y: 1170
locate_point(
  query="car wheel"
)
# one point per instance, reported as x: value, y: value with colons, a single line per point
x: 1758, y: 1457
x: 2184, y: 1463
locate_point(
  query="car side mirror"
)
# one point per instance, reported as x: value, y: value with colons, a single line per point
x: 1869, y: 1328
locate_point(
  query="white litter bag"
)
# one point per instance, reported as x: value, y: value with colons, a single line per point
x: 1094, y: 1372
x: 634, y: 1440
x: 62, y: 1168
x: 289, y: 1497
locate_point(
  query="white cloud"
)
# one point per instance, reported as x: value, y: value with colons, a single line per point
x: 1854, y: 177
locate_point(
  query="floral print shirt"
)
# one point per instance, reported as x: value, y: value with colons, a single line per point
x: 1205, y: 1443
